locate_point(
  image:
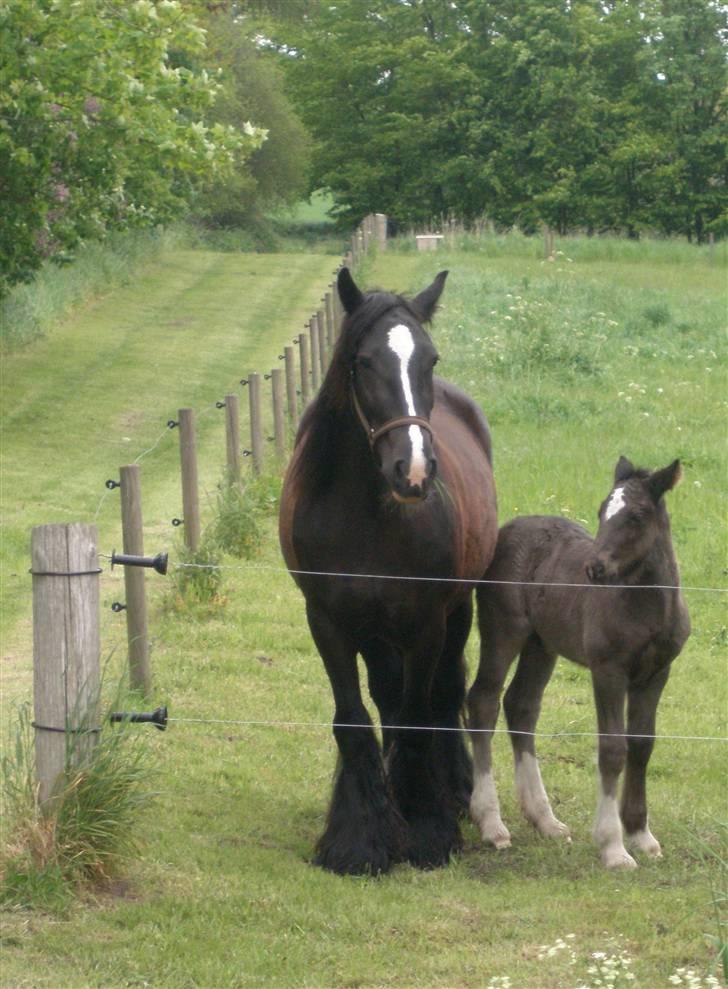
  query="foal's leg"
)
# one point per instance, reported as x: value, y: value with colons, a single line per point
x: 448, y: 698
x: 499, y: 645
x: 610, y: 689
x: 364, y: 831
x: 522, y: 705
x: 642, y: 701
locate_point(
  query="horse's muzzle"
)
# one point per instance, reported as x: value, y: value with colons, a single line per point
x: 405, y: 490
x: 599, y: 572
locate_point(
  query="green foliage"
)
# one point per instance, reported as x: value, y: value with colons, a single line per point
x: 102, y: 124
x: 236, y: 529
x: 91, y: 829
x: 599, y: 116
x: 197, y: 577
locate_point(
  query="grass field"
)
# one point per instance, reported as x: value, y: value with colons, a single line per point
x: 576, y: 362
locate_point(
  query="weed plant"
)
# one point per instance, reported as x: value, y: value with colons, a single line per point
x: 88, y: 831
x: 240, y: 510
x: 197, y: 578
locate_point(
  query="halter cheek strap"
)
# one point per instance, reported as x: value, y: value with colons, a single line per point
x: 374, y: 434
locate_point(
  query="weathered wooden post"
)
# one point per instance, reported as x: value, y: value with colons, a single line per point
x: 66, y: 649
x: 304, y: 344
x: 256, y: 422
x: 321, y: 335
x: 291, y: 397
x: 380, y: 225
x: 136, y: 602
x: 315, y: 358
x: 279, y: 428
x: 232, y: 437
x: 548, y: 241
x: 330, y: 321
x: 190, y: 496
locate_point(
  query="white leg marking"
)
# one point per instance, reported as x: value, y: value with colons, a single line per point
x: 644, y: 841
x: 534, y: 800
x: 608, y: 835
x: 485, y: 811
x: 401, y: 342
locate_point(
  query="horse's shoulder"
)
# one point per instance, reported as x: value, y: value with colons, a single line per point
x: 453, y: 403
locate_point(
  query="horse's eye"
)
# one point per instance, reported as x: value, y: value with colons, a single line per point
x: 633, y: 518
x: 362, y: 361
x: 435, y: 359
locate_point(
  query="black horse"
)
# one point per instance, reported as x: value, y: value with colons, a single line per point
x: 391, y: 478
x: 628, y: 635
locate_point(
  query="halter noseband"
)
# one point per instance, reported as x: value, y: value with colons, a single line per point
x: 374, y: 434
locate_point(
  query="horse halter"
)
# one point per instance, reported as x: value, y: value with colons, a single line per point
x: 374, y: 434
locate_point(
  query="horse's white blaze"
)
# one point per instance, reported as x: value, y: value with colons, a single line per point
x: 401, y: 342
x: 616, y: 503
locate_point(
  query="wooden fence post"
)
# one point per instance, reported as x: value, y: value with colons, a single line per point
x: 380, y: 225
x: 190, y: 495
x: 232, y: 437
x: 279, y: 428
x: 304, y: 345
x: 136, y: 601
x: 291, y: 386
x: 256, y: 422
x: 315, y: 358
x: 321, y: 334
x: 330, y: 321
x: 66, y: 648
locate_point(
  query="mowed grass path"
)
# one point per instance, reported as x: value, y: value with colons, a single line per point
x: 223, y: 895
x: 97, y: 392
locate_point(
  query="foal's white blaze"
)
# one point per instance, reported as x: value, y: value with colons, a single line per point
x: 616, y: 503
x: 401, y: 342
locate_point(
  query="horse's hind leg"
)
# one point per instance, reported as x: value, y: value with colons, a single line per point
x: 499, y: 645
x: 522, y: 705
x: 448, y: 698
x: 642, y: 701
x: 364, y: 832
x: 610, y: 689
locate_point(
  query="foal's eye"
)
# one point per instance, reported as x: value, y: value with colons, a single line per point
x: 633, y: 518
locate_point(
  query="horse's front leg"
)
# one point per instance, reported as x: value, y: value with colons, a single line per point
x: 610, y: 690
x: 417, y: 781
x: 364, y: 833
x: 642, y: 701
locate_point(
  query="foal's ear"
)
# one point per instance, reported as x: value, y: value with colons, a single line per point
x: 623, y: 470
x: 349, y: 294
x: 426, y: 302
x: 665, y: 479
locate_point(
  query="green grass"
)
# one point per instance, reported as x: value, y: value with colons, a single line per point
x: 575, y: 363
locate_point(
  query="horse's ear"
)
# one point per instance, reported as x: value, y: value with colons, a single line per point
x: 623, y: 470
x: 349, y: 294
x: 426, y: 302
x: 665, y: 479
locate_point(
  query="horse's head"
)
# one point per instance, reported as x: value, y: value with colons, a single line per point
x: 631, y: 518
x: 392, y: 360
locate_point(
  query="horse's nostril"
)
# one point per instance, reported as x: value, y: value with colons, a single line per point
x: 432, y: 468
x: 399, y: 469
x: 595, y: 571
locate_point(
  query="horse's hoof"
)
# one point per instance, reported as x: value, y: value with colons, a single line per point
x: 554, y: 828
x: 432, y: 841
x: 353, y: 864
x: 495, y: 833
x: 644, y: 841
x: 617, y: 857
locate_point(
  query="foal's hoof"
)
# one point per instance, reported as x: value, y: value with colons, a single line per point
x: 552, y: 827
x: 494, y: 832
x: 644, y: 841
x: 617, y: 857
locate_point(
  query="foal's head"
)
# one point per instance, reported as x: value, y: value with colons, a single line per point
x: 391, y: 360
x: 631, y: 518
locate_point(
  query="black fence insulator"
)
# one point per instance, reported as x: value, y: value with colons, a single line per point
x: 247, y: 453
x: 267, y: 377
x: 281, y: 357
x: 177, y: 522
x: 158, y: 562
x: 111, y: 484
x: 243, y: 382
x: 157, y: 718
x: 117, y: 606
x: 219, y: 405
x: 172, y: 423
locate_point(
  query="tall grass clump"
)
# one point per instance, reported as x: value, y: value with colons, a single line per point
x: 87, y: 832
x: 29, y: 310
x: 242, y: 506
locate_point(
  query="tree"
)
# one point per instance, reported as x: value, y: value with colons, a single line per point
x: 99, y: 127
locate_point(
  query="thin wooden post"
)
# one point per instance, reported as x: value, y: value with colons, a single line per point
x: 190, y: 496
x: 304, y: 345
x: 548, y: 241
x: 291, y: 396
x: 380, y: 224
x: 330, y: 321
x: 136, y: 602
x: 232, y: 437
x: 279, y: 424
x: 321, y: 333
x: 315, y: 359
x: 66, y: 649
x: 256, y: 422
